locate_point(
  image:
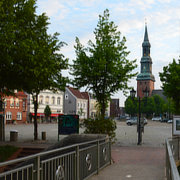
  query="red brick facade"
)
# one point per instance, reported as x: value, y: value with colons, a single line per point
x: 16, y: 108
x: 141, y: 86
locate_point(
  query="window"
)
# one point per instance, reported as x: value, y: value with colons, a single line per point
x: 53, y: 100
x: 17, y: 102
x: 41, y: 100
x: 8, y: 116
x: 47, y: 100
x: 78, y: 104
x: 66, y: 96
x: 11, y: 102
x: 58, y: 100
x: 19, y: 116
x: 24, y: 104
x: 84, y: 105
x: 92, y: 105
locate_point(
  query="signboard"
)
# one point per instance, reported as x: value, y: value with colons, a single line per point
x: 176, y: 125
x: 68, y: 124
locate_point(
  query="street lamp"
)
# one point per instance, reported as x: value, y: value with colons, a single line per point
x: 140, y: 125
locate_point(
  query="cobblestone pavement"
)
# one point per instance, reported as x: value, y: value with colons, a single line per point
x: 154, y: 134
x: 26, y: 132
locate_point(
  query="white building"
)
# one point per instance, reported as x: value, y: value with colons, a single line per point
x: 53, y: 99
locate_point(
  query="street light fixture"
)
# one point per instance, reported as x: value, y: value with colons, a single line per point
x: 140, y: 125
x: 132, y: 93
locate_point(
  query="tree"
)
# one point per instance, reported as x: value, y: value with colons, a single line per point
x: 148, y: 106
x: 170, y: 78
x: 14, y: 15
x: 103, y: 66
x: 47, y: 112
x: 30, y: 56
x: 131, y: 106
x: 15, y: 34
x: 158, y: 105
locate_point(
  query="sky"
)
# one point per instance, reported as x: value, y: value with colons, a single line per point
x: 79, y: 18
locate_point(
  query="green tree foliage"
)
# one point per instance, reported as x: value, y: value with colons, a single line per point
x: 131, y: 106
x: 170, y: 78
x: 103, y: 66
x: 31, y: 58
x: 100, y: 126
x: 150, y: 106
x: 158, y: 103
x: 47, y: 111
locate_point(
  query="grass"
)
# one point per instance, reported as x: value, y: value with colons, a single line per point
x: 6, y: 152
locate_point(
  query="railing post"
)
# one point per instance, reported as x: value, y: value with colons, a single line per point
x: 37, y: 168
x: 110, y: 150
x: 98, y: 156
x: 167, y: 164
x: 77, y: 163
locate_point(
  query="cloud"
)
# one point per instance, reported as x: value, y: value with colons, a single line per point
x: 141, y: 4
x: 129, y: 25
x: 54, y: 8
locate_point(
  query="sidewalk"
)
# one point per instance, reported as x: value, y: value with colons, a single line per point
x: 135, y: 163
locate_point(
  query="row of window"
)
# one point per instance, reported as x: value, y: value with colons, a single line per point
x: 81, y: 105
x: 47, y: 99
x: 9, y: 116
x: 15, y: 103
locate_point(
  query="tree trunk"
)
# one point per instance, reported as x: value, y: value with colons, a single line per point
x: 35, y: 100
x: 103, y: 110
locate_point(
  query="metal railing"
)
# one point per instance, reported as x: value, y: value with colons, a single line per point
x: 172, y: 156
x: 75, y: 162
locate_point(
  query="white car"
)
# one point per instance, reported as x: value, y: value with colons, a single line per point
x: 156, y: 119
x: 134, y: 120
x: 169, y: 121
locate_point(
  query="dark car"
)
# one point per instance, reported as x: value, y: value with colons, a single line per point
x: 164, y: 120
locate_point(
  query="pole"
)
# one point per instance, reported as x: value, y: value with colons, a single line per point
x: 139, y: 124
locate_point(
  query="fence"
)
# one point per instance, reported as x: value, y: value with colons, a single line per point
x: 172, y: 156
x: 75, y: 162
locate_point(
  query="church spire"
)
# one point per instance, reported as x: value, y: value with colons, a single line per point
x: 146, y: 33
x: 146, y: 39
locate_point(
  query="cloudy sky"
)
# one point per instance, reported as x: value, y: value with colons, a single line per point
x: 78, y: 18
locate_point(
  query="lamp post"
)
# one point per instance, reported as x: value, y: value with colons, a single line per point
x: 140, y: 125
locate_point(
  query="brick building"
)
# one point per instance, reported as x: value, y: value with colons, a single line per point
x: 114, y: 108
x: 16, y: 108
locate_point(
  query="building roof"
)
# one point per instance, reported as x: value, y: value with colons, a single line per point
x: 159, y: 92
x: 21, y: 93
x: 77, y: 93
x: 85, y: 95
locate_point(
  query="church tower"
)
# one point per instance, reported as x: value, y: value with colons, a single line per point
x: 145, y: 79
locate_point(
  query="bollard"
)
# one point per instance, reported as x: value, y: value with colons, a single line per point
x: 13, y: 135
x: 43, y: 135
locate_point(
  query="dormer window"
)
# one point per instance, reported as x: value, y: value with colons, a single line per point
x: 66, y: 96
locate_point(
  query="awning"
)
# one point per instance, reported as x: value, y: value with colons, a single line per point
x: 42, y: 114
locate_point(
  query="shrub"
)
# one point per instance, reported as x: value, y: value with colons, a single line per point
x: 100, y: 126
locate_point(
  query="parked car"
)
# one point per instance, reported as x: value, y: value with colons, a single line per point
x: 169, y: 121
x: 164, y: 120
x: 133, y: 120
x: 156, y: 119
